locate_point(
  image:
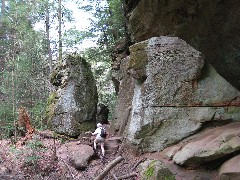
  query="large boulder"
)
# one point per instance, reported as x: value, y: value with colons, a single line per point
x: 74, y: 104
x: 173, y: 96
x: 209, y: 146
x: 76, y: 155
x: 212, y: 27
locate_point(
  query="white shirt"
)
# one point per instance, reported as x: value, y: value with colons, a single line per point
x: 97, y: 132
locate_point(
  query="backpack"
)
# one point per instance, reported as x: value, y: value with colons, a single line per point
x: 103, y: 133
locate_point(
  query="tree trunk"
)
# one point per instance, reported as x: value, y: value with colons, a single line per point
x: 13, y: 105
x: 47, y: 23
x: 60, y: 30
x: 2, y: 11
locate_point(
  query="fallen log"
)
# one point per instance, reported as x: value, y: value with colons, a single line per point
x: 108, y: 168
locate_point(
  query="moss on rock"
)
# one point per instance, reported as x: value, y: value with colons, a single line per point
x: 51, y: 101
x: 154, y: 169
x: 87, y: 126
x: 138, y: 57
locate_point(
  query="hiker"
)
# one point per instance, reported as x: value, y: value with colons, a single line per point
x: 99, y: 138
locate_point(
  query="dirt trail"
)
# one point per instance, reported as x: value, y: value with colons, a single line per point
x: 34, y: 159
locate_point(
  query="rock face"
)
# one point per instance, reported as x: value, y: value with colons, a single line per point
x: 75, y: 102
x: 212, y: 27
x: 173, y: 96
x: 125, y: 95
x: 168, y: 95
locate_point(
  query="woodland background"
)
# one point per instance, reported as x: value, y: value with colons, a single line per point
x: 28, y: 56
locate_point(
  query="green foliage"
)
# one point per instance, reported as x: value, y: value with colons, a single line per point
x: 148, y: 173
x: 73, y: 37
x: 108, y: 21
x: 51, y: 98
x: 15, y: 151
x: 35, y: 144
x: 33, y: 147
x: 108, y: 25
x: 23, y: 53
x: 100, y: 61
x: 31, y: 160
x: 169, y: 177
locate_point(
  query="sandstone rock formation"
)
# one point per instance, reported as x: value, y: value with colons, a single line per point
x: 173, y: 96
x: 72, y: 108
x: 168, y: 96
x: 211, y: 27
x: 125, y: 95
x: 209, y: 146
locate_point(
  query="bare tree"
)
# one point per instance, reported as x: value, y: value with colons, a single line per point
x: 47, y: 23
x: 60, y: 30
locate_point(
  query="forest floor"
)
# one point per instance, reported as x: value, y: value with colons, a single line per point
x: 35, y: 159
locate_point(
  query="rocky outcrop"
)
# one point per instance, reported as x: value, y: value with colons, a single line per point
x: 211, y: 154
x: 123, y: 107
x: 173, y: 96
x: 211, y: 145
x: 212, y: 27
x: 73, y: 106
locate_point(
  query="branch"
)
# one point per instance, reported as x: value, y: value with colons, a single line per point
x: 114, y: 176
x: 109, y: 167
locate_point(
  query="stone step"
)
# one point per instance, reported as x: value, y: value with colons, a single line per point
x: 115, y: 138
x: 112, y: 144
